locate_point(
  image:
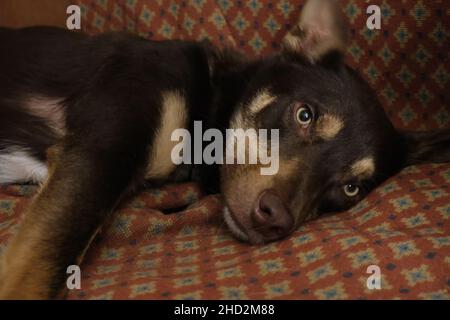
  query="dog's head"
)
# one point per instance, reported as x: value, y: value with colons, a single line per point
x: 335, y: 141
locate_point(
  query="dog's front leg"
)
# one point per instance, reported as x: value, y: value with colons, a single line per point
x: 84, y: 186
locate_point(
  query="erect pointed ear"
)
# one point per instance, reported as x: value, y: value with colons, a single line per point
x: 321, y: 30
x: 427, y: 146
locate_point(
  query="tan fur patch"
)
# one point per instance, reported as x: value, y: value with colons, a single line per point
x: 364, y: 167
x: 241, y: 120
x: 289, y: 168
x: 292, y: 42
x: 173, y: 116
x: 31, y: 261
x: 28, y: 264
x: 260, y: 101
x: 328, y: 126
x: 23, y: 272
x: 238, y: 121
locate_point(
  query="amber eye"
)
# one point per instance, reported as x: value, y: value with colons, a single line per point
x: 351, y: 190
x: 304, y: 115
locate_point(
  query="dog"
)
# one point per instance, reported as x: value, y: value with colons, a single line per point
x: 90, y: 118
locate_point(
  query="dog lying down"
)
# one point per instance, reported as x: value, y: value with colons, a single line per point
x: 93, y: 118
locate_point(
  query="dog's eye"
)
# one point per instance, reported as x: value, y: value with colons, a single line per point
x: 351, y: 190
x: 304, y: 115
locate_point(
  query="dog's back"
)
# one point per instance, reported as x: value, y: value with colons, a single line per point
x: 47, y: 71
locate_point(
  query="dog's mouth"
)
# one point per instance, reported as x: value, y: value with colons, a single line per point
x: 233, y: 225
x: 238, y: 231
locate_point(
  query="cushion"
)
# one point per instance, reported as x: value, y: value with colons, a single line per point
x: 402, y: 227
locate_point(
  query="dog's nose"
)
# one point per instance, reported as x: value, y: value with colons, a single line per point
x: 270, y: 217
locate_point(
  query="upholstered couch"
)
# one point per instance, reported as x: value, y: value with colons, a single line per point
x: 402, y: 227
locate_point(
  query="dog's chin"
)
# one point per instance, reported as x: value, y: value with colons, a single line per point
x: 238, y: 232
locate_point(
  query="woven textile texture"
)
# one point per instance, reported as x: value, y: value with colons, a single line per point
x: 403, y: 226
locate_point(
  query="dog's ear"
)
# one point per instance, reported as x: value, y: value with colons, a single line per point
x: 427, y: 147
x: 320, y: 31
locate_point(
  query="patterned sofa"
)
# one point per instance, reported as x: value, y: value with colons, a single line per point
x: 403, y: 226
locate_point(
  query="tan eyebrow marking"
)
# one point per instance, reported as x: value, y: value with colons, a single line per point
x: 262, y: 99
x: 364, y: 167
x: 328, y: 126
